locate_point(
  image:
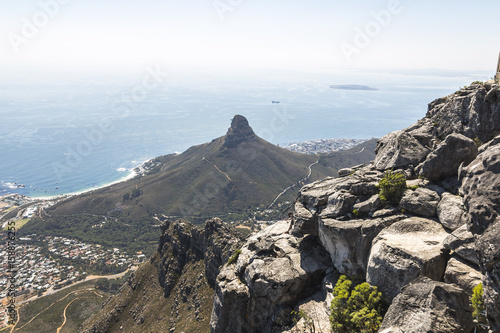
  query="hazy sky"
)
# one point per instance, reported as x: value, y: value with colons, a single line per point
x: 289, y: 34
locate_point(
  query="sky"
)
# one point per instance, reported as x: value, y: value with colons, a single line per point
x: 282, y: 34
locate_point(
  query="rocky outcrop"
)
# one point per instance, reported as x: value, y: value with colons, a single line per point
x: 402, y: 148
x: 444, y: 161
x: 349, y: 242
x: 450, y: 211
x: 473, y: 111
x: 272, y: 273
x: 481, y: 190
x: 172, y: 291
x: 425, y: 253
x: 462, y: 243
x: 239, y: 132
x: 463, y: 274
x: 181, y: 243
x: 429, y: 306
x: 422, y: 202
x: 404, y: 251
x: 336, y: 197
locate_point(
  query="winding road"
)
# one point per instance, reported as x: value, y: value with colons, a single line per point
x: 289, y: 187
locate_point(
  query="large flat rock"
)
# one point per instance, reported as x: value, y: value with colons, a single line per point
x: 405, y: 250
x: 349, y: 242
x: 429, y: 306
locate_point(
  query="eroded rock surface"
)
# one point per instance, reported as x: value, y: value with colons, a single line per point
x: 349, y: 242
x: 404, y: 251
x: 463, y: 274
x: 429, y: 306
x: 272, y: 273
x: 481, y: 189
x: 444, y: 161
x: 422, y: 202
x: 450, y: 211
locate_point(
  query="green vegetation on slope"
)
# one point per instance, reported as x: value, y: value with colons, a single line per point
x: 355, y: 309
x: 124, y: 233
x: 392, y: 187
x: 141, y: 305
x: 45, y: 314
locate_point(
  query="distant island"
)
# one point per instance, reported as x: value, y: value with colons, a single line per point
x: 352, y: 87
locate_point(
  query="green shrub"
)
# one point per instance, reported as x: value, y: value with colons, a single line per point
x: 477, y: 142
x: 355, y: 212
x: 413, y: 188
x: 235, y: 256
x: 392, y: 187
x: 355, y: 310
x: 477, y: 303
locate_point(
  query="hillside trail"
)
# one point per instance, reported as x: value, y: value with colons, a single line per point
x: 298, y: 182
x: 48, y: 307
x: 64, y: 312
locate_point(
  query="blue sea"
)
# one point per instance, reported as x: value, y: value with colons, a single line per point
x: 63, y: 132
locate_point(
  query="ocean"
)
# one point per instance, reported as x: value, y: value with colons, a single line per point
x: 64, y: 133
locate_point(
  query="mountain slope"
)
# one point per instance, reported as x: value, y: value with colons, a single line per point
x: 233, y: 172
x: 236, y: 173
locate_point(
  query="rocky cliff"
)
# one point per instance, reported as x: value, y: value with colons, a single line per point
x: 425, y: 252
x: 172, y: 292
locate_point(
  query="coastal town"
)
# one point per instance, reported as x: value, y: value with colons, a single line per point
x: 44, y: 264
x: 323, y: 146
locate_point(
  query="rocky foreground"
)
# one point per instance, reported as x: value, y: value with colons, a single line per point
x: 425, y: 254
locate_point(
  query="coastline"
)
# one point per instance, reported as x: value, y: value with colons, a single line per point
x: 131, y: 175
x: 136, y: 171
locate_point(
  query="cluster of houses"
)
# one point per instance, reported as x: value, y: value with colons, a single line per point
x: 323, y: 145
x: 37, y: 272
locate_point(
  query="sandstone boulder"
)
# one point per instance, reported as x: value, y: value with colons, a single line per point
x: 446, y: 158
x: 405, y: 250
x: 461, y: 242
x: 334, y: 198
x: 429, y: 306
x: 399, y: 149
x: 450, y: 210
x: 422, y: 202
x: 349, y: 242
x: 273, y: 272
x: 462, y: 274
x: 367, y: 206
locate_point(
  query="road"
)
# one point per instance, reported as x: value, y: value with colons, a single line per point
x: 51, y: 291
x: 289, y: 187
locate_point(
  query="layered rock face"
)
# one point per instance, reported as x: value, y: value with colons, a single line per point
x: 272, y: 273
x: 425, y: 254
x: 173, y: 291
x: 481, y: 189
x: 181, y: 243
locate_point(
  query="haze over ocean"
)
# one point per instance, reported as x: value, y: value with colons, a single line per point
x: 76, y: 132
